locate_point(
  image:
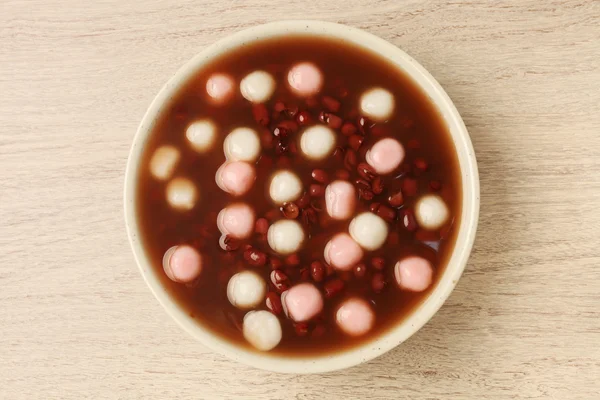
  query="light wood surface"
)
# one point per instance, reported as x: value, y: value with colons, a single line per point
x: 77, y: 320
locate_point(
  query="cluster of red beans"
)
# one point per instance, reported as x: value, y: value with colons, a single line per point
x: 384, y: 196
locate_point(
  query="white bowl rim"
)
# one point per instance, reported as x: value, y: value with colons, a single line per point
x: 464, y: 241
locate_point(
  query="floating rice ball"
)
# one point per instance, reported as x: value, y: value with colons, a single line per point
x: 246, y: 290
x: 182, y: 263
x: 385, y: 155
x: 285, y: 186
x: 201, y: 135
x: 355, y: 317
x: 431, y: 212
x: 262, y: 330
x: 285, y: 236
x: 368, y: 230
x: 317, y: 142
x: 257, y: 87
x: 377, y: 104
x: 182, y: 194
x: 220, y: 88
x: 163, y: 162
x: 302, y: 302
x: 305, y: 79
x: 236, y: 220
x: 242, y: 144
x: 413, y: 273
x: 235, y: 178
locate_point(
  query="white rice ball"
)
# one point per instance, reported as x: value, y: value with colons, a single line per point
x: 163, y: 162
x: 257, y: 87
x: 317, y: 142
x: 201, y: 135
x: 246, y: 290
x: 182, y: 194
x: 368, y: 230
x: 431, y: 212
x: 242, y: 144
x: 285, y: 236
x: 377, y: 104
x: 285, y: 186
x: 262, y: 330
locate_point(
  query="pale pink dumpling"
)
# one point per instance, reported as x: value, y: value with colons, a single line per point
x: 355, y: 317
x: 236, y: 220
x: 413, y: 273
x: 385, y: 155
x: 342, y: 252
x: 340, y: 199
x: 220, y: 88
x: 182, y: 263
x: 236, y: 177
x: 305, y: 79
x: 302, y: 302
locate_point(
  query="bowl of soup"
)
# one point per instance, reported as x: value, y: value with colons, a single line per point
x: 301, y: 196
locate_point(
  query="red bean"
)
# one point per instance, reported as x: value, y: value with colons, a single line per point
x: 317, y: 271
x: 378, y: 282
x: 255, y: 258
x: 316, y: 190
x: 331, y: 104
x: 292, y: 260
x: 338, y: 154
x: 261, y: 226
x: 303, y: 118
x: 281, y: 146
x: 280, y: 281
x: 320, y: 176
x: 323, y: 117
x: 290, y: 210
x: 373, y: 207
x: 355, y: 141
x: 301, y: 328
x: 317, y: 205
x: 260, y: 114
x: 386, y: 213
x: 291, y: 111
x: 407, y: 217
x: 421, y: 164
x: 364, y: 125
x: 342, y: 174
x: 273, y: 303
x: 230, y: 243
x: 366, y: 194
x: 334, y: 122
x: 360, y: 270
x: 279, y: 106
x: 366, y: 171
x: 362, y: 184
x: 396, y: 199
x: 275, y: 263
x: 304, y: 201
x: 378, y: 263
x: 309, y: 217
x: 377, y: 185
x: 350, y: 159
x: 349, y: 129
x: 435, y: 185
x: 333, y: 287
x: 409, y: 187
x: 318, y: 331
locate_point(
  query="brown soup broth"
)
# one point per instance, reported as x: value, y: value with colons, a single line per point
x: 348, y: 72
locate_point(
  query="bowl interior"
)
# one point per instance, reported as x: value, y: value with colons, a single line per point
x: 465, y: 235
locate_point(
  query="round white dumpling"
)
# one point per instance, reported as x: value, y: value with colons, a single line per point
x: 377, y: 104
x: 431, y: 212
x: 242, y: 144
x: 257, y: 87
x: 262, y: 329
x: 246, y: 290
x: 285, y: 236
x: 285, y: 186
x: 201, y: 135
x: 182, y: 194
x: 163, y: 162
x: 317, y: 142
x: 368, y: 230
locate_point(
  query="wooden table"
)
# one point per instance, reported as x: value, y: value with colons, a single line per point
x: 76, y: 319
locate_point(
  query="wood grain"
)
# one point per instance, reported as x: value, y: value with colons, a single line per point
x: 77, y: 321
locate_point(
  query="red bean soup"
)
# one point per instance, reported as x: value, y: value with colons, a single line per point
x: 299, y: 196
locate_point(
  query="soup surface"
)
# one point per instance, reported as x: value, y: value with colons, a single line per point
x: 378, y: 268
